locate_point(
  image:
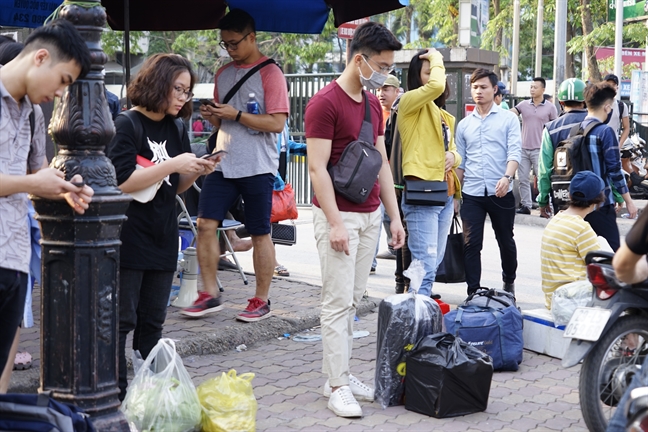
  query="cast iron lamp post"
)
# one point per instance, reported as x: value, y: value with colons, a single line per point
x: 80, y: 253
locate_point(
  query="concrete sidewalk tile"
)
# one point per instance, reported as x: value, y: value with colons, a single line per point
x: 558, y: 423
x: 509, y: 415
x: 335, y: 422
x: 491, y: 425
x: 261, y: 391
x: 525, y: 423
x: 542, y: 414
x: 303, y: 423
x: 375, y: 419
x: 407, y: 419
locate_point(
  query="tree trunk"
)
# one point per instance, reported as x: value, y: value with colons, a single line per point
x: 594, y: 75
x: 497, y: 43
x: 570, y: 68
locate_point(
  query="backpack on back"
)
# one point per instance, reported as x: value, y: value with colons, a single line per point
x: 570, y: 157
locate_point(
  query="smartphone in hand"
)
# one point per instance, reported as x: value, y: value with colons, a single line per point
x: 214, y: 155
x: 208, y: 102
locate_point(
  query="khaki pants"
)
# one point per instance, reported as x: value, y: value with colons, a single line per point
x: 339, y: 296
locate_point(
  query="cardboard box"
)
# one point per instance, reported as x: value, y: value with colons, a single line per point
x: 541, y: 335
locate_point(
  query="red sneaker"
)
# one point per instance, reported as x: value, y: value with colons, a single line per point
x: 203, y: 305
x: 256, y: 310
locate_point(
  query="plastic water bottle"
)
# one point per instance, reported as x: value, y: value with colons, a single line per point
x: 252, y: 108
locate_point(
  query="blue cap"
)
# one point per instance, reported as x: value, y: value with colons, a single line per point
x: 502, y: 88
x: 586, y: 186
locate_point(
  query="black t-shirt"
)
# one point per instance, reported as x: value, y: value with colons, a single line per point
x: 150, y: 235
x: 637, y: 238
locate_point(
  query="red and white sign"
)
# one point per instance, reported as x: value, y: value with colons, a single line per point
x: 628, y: 55
x: 346, y: 30
x: 469, y: 108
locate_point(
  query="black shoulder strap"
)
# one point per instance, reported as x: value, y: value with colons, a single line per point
x: 137, y: 126
x: 182, y: 129
x: 620, y: 105
x: 240, y: 82
x: 32, y: 123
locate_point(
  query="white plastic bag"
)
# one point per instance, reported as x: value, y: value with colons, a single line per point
x: 415, y: 273
x: 161, y: 397
x: 567, y: 298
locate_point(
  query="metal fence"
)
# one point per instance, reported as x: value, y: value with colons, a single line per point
x: 302, y: 88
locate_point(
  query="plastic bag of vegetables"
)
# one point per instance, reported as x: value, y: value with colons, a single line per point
x: 228, y: 403
x: 161, y: 397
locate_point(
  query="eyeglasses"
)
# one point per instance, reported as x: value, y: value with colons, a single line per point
x: 232, y: 46
x: 383, y: 69
x: 180, y: 93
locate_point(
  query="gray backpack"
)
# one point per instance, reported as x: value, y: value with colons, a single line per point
x: 355, y: 173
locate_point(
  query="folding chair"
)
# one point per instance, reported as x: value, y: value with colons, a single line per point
x: 188, y: 232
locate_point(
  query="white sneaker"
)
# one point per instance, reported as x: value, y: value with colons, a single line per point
x: 344, y: 404
x: 360, y: 391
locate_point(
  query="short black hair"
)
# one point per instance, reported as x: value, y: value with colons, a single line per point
x: 372, y: 38
x: 63, y: 42
x: 480, y: 73
x: 238, y: 21
x: 597, y: 94
x: 9, y: 51
x: 541, y: 81
x: 580, y: 203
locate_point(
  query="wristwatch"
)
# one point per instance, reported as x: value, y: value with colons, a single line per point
x: 508, y: 177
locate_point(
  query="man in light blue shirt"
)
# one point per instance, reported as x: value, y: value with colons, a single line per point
x: 489, y: 143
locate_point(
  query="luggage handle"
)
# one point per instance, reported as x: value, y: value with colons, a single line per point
x: 490, y: 293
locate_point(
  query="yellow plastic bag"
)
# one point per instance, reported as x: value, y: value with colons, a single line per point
x: 228, y: 403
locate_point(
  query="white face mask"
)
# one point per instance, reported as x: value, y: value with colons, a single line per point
x: 375, y: 81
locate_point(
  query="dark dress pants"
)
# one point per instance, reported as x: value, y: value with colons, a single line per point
x: 143, y: 299
x: 502, y: 215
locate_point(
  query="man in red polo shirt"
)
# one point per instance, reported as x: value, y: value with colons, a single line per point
x: 346, y: 232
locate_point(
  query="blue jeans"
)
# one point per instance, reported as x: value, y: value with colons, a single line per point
x: 428, y: 228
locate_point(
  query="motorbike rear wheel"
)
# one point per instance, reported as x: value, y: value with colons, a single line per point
x: 608, y: 369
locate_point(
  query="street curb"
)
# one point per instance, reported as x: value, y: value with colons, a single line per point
x: 225, y: 339
x: 534, y: 219
x: 230, y: 337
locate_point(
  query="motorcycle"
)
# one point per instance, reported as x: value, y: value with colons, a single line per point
x: 610, y: 336
x: 633, y: 162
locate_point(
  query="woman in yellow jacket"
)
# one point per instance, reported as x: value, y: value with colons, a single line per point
x: 428, y: 153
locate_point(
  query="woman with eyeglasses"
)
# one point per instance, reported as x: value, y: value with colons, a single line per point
x: 428, y: 153
x: 151, y: 150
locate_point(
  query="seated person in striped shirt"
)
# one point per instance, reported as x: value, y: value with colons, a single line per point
x: 568, y: 237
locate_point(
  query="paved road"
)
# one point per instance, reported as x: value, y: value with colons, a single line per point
x: 540, y: 396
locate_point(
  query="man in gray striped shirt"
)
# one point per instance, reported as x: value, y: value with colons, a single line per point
x: 53, y: 58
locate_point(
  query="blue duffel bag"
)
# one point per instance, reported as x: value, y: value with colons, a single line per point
x: 41, y: 413
x: 490, y: 321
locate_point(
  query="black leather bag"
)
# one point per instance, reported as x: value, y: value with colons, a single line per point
x: 452, y: 269
x: 426, y: 193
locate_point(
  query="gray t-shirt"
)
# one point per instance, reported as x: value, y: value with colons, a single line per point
x: 15, y: 144
x: 250, y: 154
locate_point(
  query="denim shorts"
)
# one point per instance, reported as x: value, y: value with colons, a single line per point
x: 219, y: 194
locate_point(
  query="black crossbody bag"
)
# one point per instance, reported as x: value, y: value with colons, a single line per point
x: 354, y: 175
x: 427, y: 192
x: 211, y: 141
